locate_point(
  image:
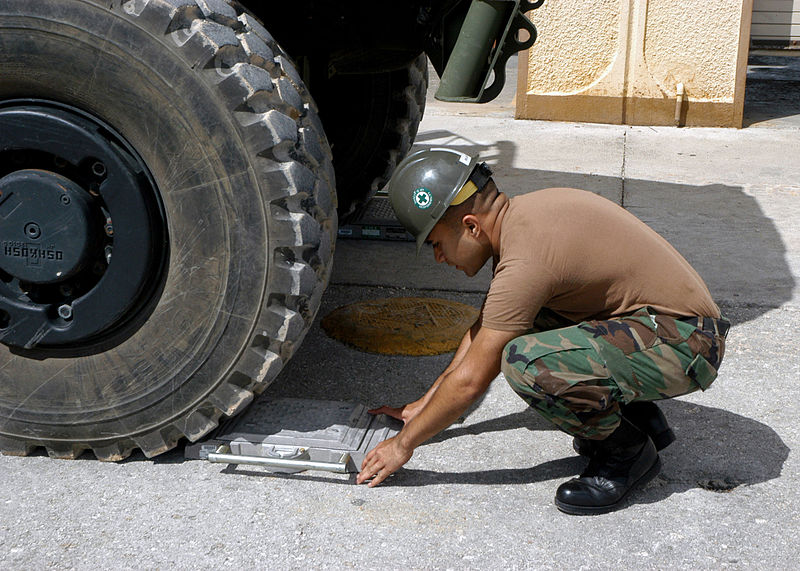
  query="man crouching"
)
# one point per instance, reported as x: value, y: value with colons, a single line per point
x: 590, y: 315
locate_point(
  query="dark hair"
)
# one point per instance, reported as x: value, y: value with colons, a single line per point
x: 453, y: 215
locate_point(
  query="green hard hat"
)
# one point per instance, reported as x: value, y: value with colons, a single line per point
x: 425, y: 184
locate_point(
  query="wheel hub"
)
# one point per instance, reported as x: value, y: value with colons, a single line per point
x: 47, y: 235
x: 83, y: 243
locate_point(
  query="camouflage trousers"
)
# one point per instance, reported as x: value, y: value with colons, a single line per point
x: 578, y: 375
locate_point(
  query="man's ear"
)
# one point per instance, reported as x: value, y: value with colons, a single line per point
x: 471, y: 223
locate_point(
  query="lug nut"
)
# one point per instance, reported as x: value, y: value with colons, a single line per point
x: 65, y: 199
x: 99, y: 169
x: 65, y: 312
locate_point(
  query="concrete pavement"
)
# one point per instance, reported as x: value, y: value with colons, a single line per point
x: 479, y: 495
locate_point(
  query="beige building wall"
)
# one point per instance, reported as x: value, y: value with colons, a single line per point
x: 637, y: 62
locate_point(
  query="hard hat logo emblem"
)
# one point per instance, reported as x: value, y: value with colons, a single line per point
x: 423, y: 198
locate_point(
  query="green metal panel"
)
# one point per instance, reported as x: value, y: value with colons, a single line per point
x: 488, y: 37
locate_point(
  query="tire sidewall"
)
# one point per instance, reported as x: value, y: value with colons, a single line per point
x: 105, y: 63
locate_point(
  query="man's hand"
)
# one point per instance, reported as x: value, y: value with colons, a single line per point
x: 407, y: 412
x: 444, y: 402
x: 382, y: 461
x: 404, y: 413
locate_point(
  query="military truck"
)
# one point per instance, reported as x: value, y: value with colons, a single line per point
x: 169, y: 178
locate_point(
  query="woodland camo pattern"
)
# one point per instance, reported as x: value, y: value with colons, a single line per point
x: 578, y: 375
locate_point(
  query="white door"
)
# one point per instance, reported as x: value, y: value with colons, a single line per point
x: 776, y: 23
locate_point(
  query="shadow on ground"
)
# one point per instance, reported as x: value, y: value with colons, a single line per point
x: 772, y: 91
x: 719, y: 229
x: 703, y: 456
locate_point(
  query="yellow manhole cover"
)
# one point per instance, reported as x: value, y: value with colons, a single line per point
x: 401, y: 325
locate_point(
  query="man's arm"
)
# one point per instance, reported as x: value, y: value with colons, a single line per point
x: 458, y: 389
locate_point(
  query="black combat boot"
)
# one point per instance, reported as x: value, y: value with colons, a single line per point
x: 646, y: 416
x: 625, y: 459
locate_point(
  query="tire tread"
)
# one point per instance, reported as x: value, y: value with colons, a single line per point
x: 290, y: 153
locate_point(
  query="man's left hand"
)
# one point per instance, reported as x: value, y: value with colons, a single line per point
x: 382, y: 461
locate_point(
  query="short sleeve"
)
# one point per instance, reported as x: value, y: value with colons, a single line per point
x: 519, y: 289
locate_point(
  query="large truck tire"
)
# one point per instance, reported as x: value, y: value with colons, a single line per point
x: 371, y: 121
x: 168, y: 220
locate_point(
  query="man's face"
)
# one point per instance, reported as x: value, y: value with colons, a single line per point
x: 458, y: 246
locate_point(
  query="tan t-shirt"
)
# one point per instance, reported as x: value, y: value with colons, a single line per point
x: 585, y: 257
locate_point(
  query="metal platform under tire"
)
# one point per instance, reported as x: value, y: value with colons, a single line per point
x: 377, y: 221
x: 290, y: 435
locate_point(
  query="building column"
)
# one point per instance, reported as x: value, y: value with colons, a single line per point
x: 637, y: 62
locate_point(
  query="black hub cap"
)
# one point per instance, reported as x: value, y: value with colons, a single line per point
x: 83, y: 235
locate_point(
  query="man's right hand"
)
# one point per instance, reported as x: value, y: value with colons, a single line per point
x: 412, y: 409
x: 404, y: 413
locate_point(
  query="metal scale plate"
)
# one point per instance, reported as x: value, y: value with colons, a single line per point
x: 376, y: 221
x: 292, y: 434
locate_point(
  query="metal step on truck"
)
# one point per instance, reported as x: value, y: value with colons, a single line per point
x: 172, y: 176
